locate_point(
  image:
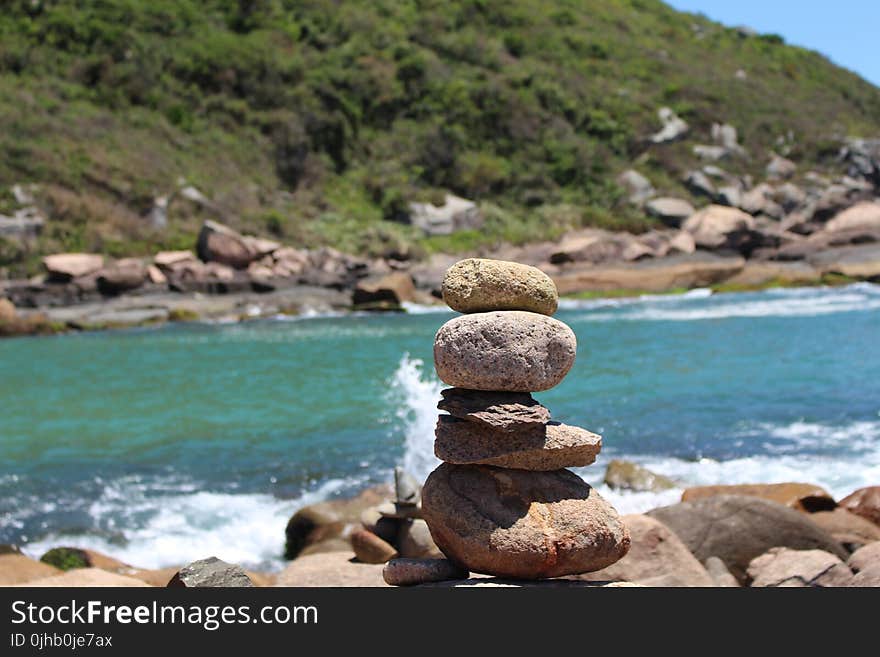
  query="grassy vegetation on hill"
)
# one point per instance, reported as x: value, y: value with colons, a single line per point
x: 320, y: 120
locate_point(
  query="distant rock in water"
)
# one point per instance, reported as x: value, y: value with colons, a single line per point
x: 626, y: 475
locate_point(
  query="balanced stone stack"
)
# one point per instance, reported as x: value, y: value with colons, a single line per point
x: 502, y: 503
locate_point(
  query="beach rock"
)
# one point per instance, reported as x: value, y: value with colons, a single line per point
x: 18, y: 569
x: 408, y: 572
x: 9, y: 548
x: 699, y: 184
x: 591, y: 246
x: 400, y: 511
x: 699, y: 269
x: 509, y: 350
x: 865, y: 557
x: 407, y: 490
x: 869, y: 577
x: 168, y: 259
x: 720, y: 227
x: 671, y: 211
x: 501, y: 411
x: 803, y: 497
x: 626, y: 475
x: 720, y: 573
x: 330, y: 569
x: 64, y: 267
x: 455, y: 214
x: 520, y: 524
x: 382, y: 526
x: 414, y: 540
x: 7, y: 310
x: 550, y: 447
x: 864, y: 502
x: 334, y: 518
x: 781, y: 566
x: 122, y: 275
x: 393, y: 289
x: 847, y: 528
x: 479, y: 284
x: 861, y: 262
x: 369, y: 548
x: 682, y: 242
x: 656, y: 557
x: 638, y: 188
x: 155, y: 275
x: 674, y: 128
x: 865, y: 215
x: 780, y: 168
x: 738, y: 528
x: 219, y: 243
x: 210, y: 573
x: 86, y: 577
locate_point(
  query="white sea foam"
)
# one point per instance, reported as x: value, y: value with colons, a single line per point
x: 173, y: 529
x: 853, y: 463
x: 799, y: 302
x: 416, y: 395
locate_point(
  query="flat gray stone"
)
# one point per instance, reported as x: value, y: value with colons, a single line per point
x: 550, y: 447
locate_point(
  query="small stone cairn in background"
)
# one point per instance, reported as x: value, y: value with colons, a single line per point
x: 502, y: 503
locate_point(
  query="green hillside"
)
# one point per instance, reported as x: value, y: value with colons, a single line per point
x: 318, y: 121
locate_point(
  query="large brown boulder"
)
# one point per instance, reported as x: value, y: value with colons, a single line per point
x: 508, y: 350
x: 501, y: 411
x: 219, y: 243
x: 333, y: 519
x: 18, y: 569
x: 391, y: 289
x: 122, y: 275
x: 67, y: 266
x: 7, y: 311
x: 865, y: 215
x: 478, y: 285
x: 847, y: 528
x: 514, y: 523
x: 803, y: 497
x: 798, y: 568
x: 550, y: 447
x: 738, y: 528
x: 656, y: 557
x: 626, y: 475
x: 330, y: 569
x: 864, y: 502
x: 722, y: 227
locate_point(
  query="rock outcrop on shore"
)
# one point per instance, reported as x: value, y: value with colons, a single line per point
x: 729, y: 541
x: 793, y: 228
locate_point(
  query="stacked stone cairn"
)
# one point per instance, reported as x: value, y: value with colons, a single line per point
x: 502, y: 503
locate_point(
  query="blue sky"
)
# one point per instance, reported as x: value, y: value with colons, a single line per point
x: 847, y: 31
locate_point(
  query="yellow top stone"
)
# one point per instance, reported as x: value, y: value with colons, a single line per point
x: 479, y: 285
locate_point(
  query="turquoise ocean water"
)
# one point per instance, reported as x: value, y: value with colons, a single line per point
x: 163, y: 445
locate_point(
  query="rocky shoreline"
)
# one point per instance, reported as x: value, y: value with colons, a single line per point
x: 741, y: 535
x: 730, y: 234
